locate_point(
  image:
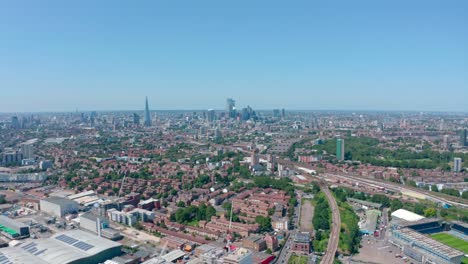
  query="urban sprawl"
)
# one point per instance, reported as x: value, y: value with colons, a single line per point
x: 237, y: 185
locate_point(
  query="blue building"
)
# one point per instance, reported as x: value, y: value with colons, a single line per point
x: 147, y: 114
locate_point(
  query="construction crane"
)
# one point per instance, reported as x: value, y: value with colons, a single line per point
x: 121, y: 186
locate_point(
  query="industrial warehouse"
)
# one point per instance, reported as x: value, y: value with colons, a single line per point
x: 70, y: 247
x: 12, y: 228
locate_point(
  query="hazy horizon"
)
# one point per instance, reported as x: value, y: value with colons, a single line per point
x: 239, y: 109
x: 368, y: 55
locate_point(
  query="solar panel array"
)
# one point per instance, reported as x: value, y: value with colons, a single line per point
x: 83, y: 246
x: 4, y: 259
x: 31, y: 248
x: 66, y: 239
x: 74, y: 242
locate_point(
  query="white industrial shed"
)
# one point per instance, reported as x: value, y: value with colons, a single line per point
x: 406, y: 215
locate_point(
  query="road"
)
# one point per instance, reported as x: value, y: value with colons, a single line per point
x: 285, y: 252
x: 335, y: 228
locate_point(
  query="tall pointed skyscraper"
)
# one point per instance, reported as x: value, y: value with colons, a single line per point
x: 147, y: 114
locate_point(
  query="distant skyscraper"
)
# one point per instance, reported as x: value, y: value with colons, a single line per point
x: 211, y: 115
x: 15, y: 124
x: 147, y: 114
x: 276, y: 113
x: 255, y: 159
x: 136, y: 119
x: 92, y: 117
x: 217, y: 133
x: 28, y: 150
x: 283, y: 113
x: 442, y: 124
x: 445, y: 142
x: 463, y: 141
x: 340, y: 149
x: 457, y: 164
x: 231, y: 107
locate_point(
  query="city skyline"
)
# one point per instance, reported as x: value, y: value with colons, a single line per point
x: 369, y: 56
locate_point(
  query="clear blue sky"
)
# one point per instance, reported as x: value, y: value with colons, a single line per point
x: 193, y: 54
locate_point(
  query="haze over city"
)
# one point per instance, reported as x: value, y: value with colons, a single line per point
x: 360, y: 55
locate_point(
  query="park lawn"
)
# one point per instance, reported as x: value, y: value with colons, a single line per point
x: 451, y: 241
x: 294, y: 259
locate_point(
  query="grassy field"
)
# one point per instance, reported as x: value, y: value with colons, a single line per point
x: 454, y: 242
x: 297, y: 260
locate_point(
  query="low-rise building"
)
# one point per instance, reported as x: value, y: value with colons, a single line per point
x: 239, y: 256
x: 271, y: 242
x: 12, y: 228
x: 280, y: 223
x: 301, y: 243
x: 58, y: 206
x: 255, y: 242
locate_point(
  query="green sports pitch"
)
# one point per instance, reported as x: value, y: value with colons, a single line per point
x: 451, y: 241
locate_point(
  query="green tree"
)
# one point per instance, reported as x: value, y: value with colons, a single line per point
x: 430, y: 212
x: 322, y: 212
x: 396, y: 204
x: 264, y: 223
x: 381, y: 199
x: 419, y: 209
x: 465, y: 195
x: 449, y: 191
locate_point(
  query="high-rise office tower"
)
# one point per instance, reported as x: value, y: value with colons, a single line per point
x: 211, y: 115
x: 136, y: 119
x: 457, y: 164
x: 27, y: 149
x: 217, y: 133
x: 340, y: 149
x: 255, y: 158
x: 276, y: 113
x: 271, y: 163
x: 92, y: 117
x: 147, y: 114
x: 442, y: 124
x: 283, y: 113
x: 445, y: 142
x: 231, y: 107
x: 463, y: 141
x: 15, y: 124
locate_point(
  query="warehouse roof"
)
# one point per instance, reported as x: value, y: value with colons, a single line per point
x: 59, y: 200
x: 173, y: 255
x: 302, y: 238
x: 61, y: 248
x: 81, y: 194
x: 366, y: 203
x: 407, y: 215
x: 4, y: 220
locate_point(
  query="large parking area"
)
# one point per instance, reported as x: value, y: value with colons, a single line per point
x: 376, y: 250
